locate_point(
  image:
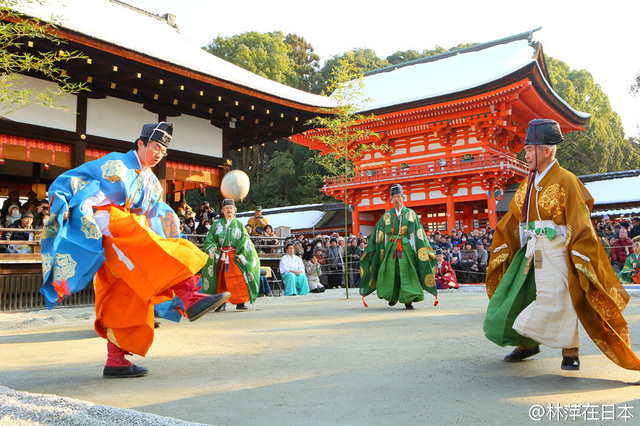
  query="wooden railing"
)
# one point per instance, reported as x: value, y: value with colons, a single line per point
x: 405, y: 171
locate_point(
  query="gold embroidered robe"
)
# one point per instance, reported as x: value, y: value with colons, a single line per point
x: 596, y: 293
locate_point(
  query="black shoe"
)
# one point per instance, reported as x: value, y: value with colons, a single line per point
x: 519, y: 354
x: 241, y: 306
x: 156, y: 324
x: 393, y: 303
x: 124, y: 372
x: 221, y: 308
x: 408, y: 306
x: 206, y: 304
x: 570, y: 363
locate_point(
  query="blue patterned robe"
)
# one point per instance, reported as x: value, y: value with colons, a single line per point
x: 72, y: 249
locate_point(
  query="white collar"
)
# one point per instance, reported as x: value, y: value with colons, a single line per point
x: 539, y: 176
x: 135, y: 151
x: 398, y: 212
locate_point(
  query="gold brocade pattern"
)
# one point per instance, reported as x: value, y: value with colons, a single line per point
x: 569, y: 234
x: 361, y: 271
x: 420, y: 234
x: 411, y: 216
x: 403, y: 230
x: 387, y: 219
x: 518, y: 198
x: 64, y: 267
x: 553, y: 200
x: 432, y: 256
x: 169, y: 225
x: 429, y: 280
x: 496, y: 261
x: 90, y: 228
x: 423, y: 254
x: 113, y: 171
x: 373, y: 282
x: 603, y: 305
x: 379, y: 236
x: 587, y: 272
x: 492, y: 283
x: 618, y: 299
x: 77, y: 184
x: 157, y: 190
x: 46, y: 263
x: 52, y: 227
x: 605, y: 347
x: 381, y: 254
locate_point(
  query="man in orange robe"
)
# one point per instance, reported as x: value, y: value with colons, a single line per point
x: 548, y: 268
x: 108, y: 221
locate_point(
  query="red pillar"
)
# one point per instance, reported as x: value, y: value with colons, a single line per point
x: 355, y: 220
x: 451, y: 213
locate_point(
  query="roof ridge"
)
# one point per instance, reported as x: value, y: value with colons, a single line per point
x: 481, y: 46
x: 167, y: 18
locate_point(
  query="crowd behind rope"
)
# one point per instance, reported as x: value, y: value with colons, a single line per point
x: 467, y: 252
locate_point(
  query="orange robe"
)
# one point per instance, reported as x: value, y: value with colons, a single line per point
x: 596, y: 293
x: 139, y: 271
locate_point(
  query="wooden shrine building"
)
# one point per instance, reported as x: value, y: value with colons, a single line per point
x: 454, y: 123
x: 139, y: 69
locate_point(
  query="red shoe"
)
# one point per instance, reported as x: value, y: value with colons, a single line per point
x: 119, y: 367
x: 197, y: 304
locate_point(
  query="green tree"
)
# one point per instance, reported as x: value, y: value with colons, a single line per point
x: 601, y: 147
x: 264, y: 54
x: 281, y: 174
x: 346, y: 134
x: 305, y: 62
x: 363, y: 60
x: 17, y: 57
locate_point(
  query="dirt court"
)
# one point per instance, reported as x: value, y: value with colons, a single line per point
x: 322, y: 359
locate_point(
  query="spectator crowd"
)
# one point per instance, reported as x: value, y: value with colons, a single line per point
x: 323, y: 256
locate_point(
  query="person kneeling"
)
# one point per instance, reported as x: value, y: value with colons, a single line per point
x: 313, y: 270
x: 293, y: 276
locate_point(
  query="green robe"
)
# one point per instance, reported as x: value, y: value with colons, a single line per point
x: 394, y: 277
x: 631, y: 267
x: 235, y: 235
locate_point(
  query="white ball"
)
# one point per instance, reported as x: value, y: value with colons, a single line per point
x: 235, y: 185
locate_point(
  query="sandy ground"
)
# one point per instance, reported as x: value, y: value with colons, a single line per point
x: 315, y: 359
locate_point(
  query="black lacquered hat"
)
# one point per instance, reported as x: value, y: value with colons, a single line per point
x: 161, y: 132
x: 543, y: 132
x: 396, y: 189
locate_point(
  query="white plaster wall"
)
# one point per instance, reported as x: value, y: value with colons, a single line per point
x: 196, y: 135
x: 364, y: 202
x: 436, y: 194
x: 44, y: 116
x: 418, y: 196
x: 116, y: 118
x: 400, y: 151
x: 477, y: 190
x: 377, y: 200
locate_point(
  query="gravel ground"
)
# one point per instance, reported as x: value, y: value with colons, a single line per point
x: 315, y: 359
